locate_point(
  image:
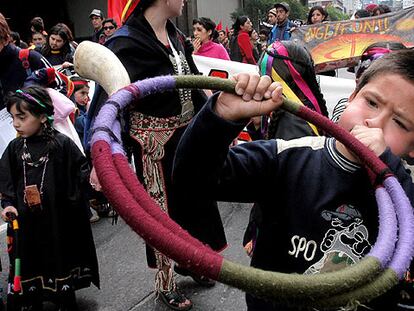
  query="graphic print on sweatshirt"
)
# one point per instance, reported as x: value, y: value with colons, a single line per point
x: 345, y: 243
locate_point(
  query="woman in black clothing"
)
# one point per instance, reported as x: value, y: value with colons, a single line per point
x: 149, y: 45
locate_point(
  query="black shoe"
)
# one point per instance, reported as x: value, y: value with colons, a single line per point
x: 201, y: 280
x: 175, y: 300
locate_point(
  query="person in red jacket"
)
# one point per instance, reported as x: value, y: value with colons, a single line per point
x: 241, y: 48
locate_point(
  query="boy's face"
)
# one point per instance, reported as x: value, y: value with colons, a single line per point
x: 376, y: 106
x: 38, y: 39
x: 82, y: 96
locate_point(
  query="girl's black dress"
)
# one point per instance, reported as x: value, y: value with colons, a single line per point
x: 54, y: 242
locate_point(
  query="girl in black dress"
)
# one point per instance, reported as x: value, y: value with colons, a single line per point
x: 41, y: 178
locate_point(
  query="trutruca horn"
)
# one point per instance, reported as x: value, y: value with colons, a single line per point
x: 95, y: 62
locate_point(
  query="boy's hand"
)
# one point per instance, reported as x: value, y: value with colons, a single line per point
x: 259, y: 96
x: 373, y: 138
x: 8, y: 209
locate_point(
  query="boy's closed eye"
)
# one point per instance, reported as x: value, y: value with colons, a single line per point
x: 372, y: 103
x: 401, y: 124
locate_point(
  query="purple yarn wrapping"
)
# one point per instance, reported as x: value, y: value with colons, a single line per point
x: 123, y: 97
x: 107, y: 116
x: 155, y: 85
x: 384, y: 247
x: 115, y: 146
x: 101, y: 135
x: 405, y: 246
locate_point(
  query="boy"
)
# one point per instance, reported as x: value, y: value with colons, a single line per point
x: 319, y: 211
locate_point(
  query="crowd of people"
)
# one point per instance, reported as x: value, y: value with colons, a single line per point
x: 287, y: 155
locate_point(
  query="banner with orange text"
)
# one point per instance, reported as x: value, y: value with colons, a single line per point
x: 340, y: 44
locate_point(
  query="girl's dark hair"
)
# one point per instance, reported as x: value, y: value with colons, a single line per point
x: 25, y: 102
x: 33, y: 107
x: 208, y: 24
x: 316, y: 8
x: 64, y: 32
x: 240, y: 21
x: 303, y: 63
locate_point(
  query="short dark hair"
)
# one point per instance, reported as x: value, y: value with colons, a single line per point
x: 110, y: 20
x: 208, y: 24
x: 398, y: 62
x: 38, y: 24
x: 264, y: 31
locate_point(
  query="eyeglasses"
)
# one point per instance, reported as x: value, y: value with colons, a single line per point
x: 109, y: 28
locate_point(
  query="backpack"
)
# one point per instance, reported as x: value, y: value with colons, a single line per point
x: 235, y: 52
x: 24, y: 58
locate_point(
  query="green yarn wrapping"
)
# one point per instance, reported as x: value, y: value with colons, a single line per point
x: 282, y: 287
x: 384, y: 281
x: 225, y: 85
x: 203, y: 82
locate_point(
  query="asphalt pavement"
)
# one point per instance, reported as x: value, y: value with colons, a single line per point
x: 127, y: 284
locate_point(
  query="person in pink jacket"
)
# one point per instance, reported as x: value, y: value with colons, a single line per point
x: 205, y: 39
